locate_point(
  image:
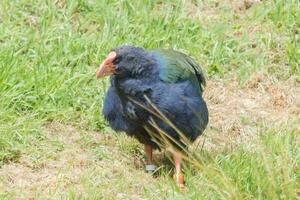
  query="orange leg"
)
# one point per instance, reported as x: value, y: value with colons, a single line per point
x: 178, y: 176
x: 148, y: 154
x: 150, y: 167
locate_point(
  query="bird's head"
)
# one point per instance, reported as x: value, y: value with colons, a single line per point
x: 124, y: 61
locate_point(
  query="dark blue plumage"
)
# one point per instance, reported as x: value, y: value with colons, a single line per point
x: 172, y: 81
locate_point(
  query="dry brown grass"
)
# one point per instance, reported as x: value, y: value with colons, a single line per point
x: 236, y: 113
x: 28, y: 179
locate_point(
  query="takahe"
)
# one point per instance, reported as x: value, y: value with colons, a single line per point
x: 155, y: 96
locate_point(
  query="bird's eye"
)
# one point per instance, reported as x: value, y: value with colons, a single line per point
x: 130, y: 58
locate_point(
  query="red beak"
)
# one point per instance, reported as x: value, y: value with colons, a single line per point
x: 106, y: 68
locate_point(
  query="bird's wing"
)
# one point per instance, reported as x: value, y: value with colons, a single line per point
x: 176, y: 66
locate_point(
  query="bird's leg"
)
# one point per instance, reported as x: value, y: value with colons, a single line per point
x: 150, y: 167
x: 178, y: 177
x: 148, y: 154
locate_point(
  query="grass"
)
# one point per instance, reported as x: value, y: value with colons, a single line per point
x: 49, y: 51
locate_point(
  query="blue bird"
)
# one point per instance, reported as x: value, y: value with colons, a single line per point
x: 155, y: 96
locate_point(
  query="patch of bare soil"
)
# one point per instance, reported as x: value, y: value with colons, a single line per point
x: 74, y: 168
x: 237, y: 114
x: 210, y: 10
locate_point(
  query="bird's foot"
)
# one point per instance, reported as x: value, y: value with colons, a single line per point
x: 150, y: 169
x: 179, y: 181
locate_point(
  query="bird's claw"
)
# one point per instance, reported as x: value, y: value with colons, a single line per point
x: 179, y: 181
x: 150, y: 169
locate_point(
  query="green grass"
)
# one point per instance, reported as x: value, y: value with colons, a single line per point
x: 49, y: 51
x: 268, y: 172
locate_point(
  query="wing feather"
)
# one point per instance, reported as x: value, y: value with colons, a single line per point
x: 177, y: 66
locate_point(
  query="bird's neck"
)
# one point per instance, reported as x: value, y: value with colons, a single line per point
x: 116, y: 82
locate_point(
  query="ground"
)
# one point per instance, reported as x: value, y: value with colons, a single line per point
x: 54, y: 143
x: 78, y: 163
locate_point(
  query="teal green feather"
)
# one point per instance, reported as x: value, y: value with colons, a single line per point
x: 176, y: 66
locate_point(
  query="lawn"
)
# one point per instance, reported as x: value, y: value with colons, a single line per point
x: 54, y: 143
